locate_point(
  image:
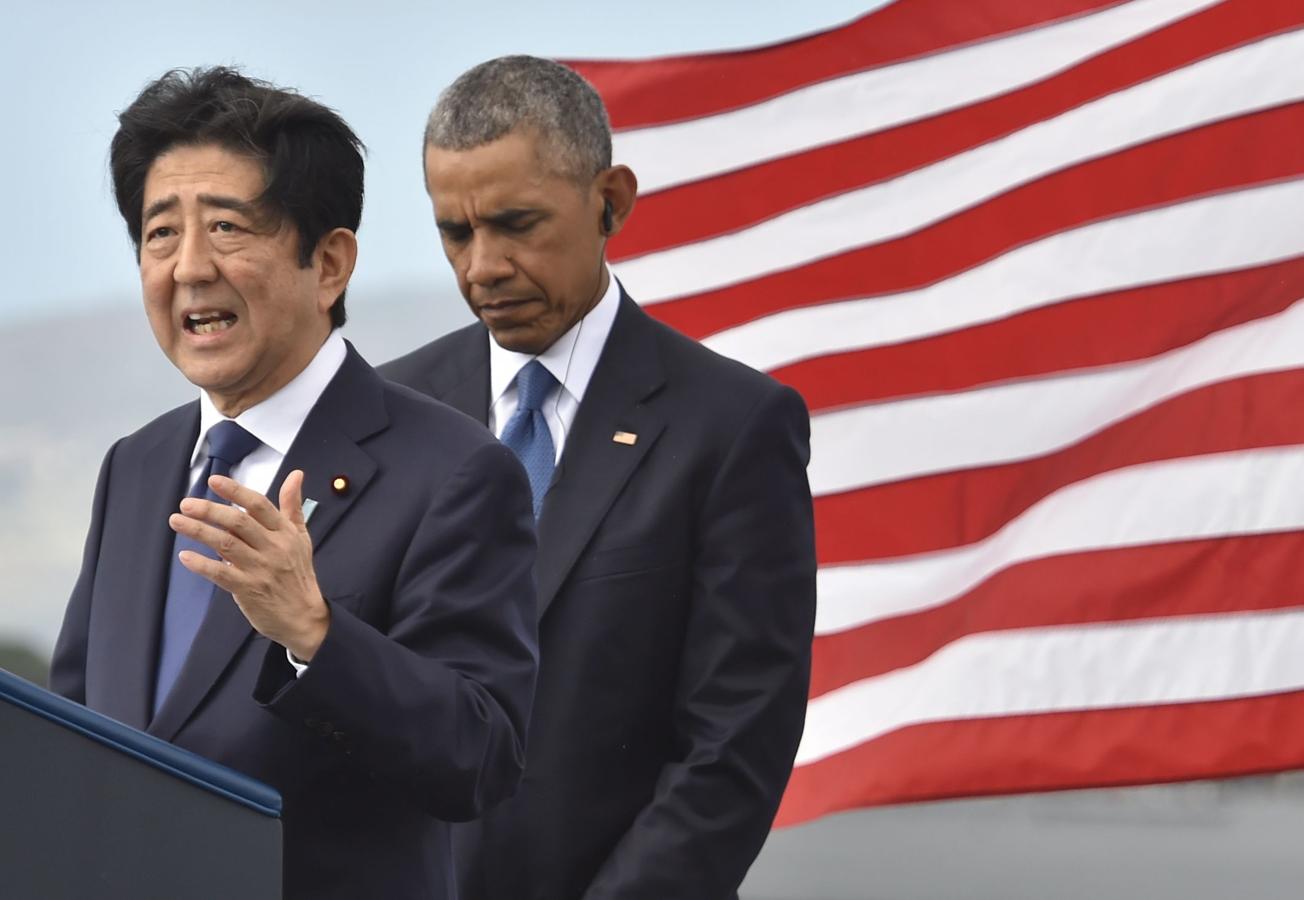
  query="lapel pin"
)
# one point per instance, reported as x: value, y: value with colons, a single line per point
x: 625, y: 437
x: 340, y: 485
x: 309, y: 505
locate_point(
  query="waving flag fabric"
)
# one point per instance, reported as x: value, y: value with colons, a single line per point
x: 1035, y: 268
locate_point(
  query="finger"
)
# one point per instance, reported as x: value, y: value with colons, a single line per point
x: 292, y: 499
x: 254, y: 503
x: 225, y: 544
x: 227, y: 518
x: 228, y: 578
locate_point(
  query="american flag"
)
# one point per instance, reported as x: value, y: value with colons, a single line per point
x: 1034, y: 267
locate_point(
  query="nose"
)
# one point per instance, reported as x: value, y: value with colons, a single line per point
x: 487, y: 264
x: 194, y: 259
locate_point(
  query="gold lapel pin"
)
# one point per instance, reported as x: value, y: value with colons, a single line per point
x: 625, y: 437
x: 340, y: 485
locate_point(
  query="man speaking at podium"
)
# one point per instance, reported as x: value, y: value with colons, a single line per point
x: 676, y: 562
x: 366, y: 643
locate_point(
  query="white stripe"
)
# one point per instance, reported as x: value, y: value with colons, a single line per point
x: 1048, y: 670
x: 831, y: 111
x: 1221, y: 233
x: 1251, y: 78
x: 892, y: 441
x: 1219, y: 495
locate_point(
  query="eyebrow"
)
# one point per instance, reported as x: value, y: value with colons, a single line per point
x: 510, y: 216
x: 217, y: 201
x: 506, y: 217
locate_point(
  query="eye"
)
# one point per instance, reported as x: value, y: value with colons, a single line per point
x: 162, y: 231
x: 225, y: 227
x: 455, y: 234
x: 518, y: 223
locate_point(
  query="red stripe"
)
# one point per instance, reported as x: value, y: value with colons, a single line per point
x: 1220, y: 575
x: 736, y: 200
x: 1192, y: 164
x: 1118, y: 327
x: 1098, y: 748
x: 954, y: 509
x: 674, y: 88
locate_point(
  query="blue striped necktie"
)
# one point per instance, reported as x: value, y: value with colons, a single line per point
x: 189, y: 594
x: 527, y: 430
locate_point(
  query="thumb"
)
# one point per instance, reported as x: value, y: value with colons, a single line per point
x: 292, y: 498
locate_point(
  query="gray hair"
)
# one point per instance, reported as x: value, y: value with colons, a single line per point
x: 510, y: 92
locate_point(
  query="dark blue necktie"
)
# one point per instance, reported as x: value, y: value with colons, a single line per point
x: 189, y: 594
x: 527, y: 430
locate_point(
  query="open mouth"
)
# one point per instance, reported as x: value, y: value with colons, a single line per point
x: 209, y: 322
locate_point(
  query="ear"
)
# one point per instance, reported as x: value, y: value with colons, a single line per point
x: 336, y: 254
x: 618, y: 186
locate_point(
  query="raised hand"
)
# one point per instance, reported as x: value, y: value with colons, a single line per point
x: 265, y: 559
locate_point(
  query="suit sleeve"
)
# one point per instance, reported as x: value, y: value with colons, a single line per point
x: 68, y: 665
x: 744, y: 674
x: 438, y: 701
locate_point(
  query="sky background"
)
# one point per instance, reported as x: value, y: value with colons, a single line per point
x: 79, y: 364
x: 70, y: 66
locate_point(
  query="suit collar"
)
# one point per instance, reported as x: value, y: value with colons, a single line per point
x: 593, y: 467
x: 459, y: 375
x: 328, y: 447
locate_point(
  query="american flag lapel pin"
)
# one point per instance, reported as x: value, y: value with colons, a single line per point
x: 625, y: 437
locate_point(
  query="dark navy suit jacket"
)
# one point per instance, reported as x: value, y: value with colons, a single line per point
x: 414, y: 710
x: 676, y: 581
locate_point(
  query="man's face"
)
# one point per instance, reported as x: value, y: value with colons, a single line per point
x: 524, y: 240
x: 228, y: 301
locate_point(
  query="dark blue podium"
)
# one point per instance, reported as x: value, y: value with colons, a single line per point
x: 91, y: 808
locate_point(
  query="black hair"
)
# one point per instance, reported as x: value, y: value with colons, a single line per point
x: 311, y: 159
x: 511, y: 92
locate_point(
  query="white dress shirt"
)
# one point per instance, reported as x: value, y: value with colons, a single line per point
x: 571, y: 359
x: 276, y: 422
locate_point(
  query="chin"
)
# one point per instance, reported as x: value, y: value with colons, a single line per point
x: 518, y: 341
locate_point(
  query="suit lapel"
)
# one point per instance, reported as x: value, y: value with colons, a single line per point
x: 351, y: 409
x: 628, y: 372
x: 593, y: 467
x: 130, y: 630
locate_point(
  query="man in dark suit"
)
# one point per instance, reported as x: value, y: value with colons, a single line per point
x: 368, y: 645
x: 676, y: 561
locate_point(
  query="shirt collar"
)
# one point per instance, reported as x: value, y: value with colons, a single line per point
x: 572, y: 357
x: 276, y: 421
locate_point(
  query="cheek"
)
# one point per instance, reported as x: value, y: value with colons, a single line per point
x: 460, y: 262
x: 156, y: 291
x: 151, y: 273
x: 565, y: 265
x: 250, y: 288
x: 459, y: 273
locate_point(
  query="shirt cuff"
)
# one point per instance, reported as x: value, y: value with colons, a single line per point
x: 299, y: 666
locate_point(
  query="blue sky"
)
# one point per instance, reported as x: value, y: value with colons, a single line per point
x: 68, y: 66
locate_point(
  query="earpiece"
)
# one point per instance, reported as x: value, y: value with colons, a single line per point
x: 607, y: 217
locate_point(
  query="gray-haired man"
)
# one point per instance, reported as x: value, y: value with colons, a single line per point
x: 676, y: 561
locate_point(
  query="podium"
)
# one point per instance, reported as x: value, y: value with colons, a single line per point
x: 90, y: 807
